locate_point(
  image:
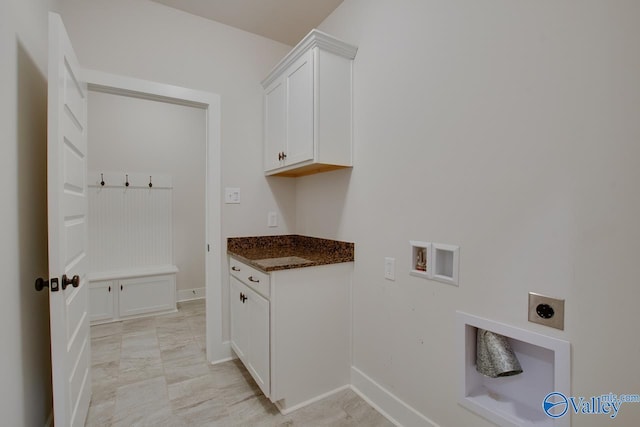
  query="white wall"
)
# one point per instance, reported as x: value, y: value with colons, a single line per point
x: 146, y: 40
x: 510, y: 129
x: 25, y: 364
x: 141, y: 135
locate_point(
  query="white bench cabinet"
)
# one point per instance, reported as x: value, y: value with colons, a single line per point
x: 128, y: 294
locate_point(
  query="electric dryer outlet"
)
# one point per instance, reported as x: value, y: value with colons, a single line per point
x: 546, y: 310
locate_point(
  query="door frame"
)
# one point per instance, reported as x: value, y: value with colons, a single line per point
x: 98, y: 81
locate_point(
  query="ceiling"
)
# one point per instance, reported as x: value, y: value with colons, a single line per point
x: 286, y: 21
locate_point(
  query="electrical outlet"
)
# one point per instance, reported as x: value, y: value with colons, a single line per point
x: 390, y: 268
x: 546, y: 310
x: 231, y: 195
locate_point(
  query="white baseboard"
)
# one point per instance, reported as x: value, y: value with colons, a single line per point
x: 285, y: 411
x: 190, y: 294
x: 222, y: 354
x: 135, y: 316
x: 215, y: 362
x: 385, y: 402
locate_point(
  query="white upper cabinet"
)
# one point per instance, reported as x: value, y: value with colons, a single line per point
x: 308, y: 108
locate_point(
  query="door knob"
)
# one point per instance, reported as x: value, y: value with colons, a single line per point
x: 74, y: 281
x: 41, y: 284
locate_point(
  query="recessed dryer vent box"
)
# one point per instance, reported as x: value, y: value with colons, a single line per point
x: 514, y: 400
x: 445, y: 259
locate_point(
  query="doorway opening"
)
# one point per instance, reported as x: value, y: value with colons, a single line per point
x: 104, y: 83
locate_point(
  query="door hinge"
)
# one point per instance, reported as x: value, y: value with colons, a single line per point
x: 208, y: 248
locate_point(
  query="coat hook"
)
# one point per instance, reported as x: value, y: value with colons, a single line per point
x: 102, y: 179
x: 150, y: 184
x: 127, y: 181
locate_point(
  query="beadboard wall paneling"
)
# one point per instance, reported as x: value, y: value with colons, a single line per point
x: 129, y: 227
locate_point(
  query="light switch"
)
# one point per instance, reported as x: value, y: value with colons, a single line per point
x: 231, y: 195
x: 390, y: 268
x: 272, y: 219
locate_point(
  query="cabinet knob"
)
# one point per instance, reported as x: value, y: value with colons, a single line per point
x: 280, y: 155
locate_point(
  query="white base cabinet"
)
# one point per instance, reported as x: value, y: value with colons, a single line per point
x: 126, y: 294
x: 291, y: 329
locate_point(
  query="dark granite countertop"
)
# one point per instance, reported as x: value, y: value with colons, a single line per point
x: 271, y: 253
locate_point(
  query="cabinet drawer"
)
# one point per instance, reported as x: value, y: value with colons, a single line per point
x: 254, y: 278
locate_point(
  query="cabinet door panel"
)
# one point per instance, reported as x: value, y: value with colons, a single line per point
x: 258, y: 326
x: 239, y: 333
x: 101, y: 300
x: 147, y: 294
x: 275, y: 125
x: 300, y: 112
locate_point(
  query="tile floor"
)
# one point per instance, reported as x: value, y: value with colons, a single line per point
x: 153, y: 372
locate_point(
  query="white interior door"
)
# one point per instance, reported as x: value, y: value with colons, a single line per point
x: 67, y: 210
